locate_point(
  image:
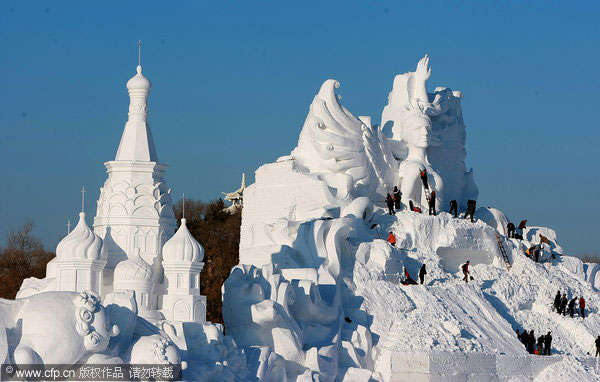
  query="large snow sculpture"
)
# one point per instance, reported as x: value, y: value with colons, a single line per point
x: 150, y: 284
x: 80, y: 260
x: 292, y: 290
x: 38, y: 323
x: 135, y: 209
x: 444, y: 152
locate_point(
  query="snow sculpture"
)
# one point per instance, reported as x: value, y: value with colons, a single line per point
x: 137, y: 275
x: 292, y: 292
x: 340, y: 149
x: 444, y: 152
x: 182, y: 262
x: 151, y: 285
x: 135, y: 208
x: 80, y: 260
x: 81, y: 326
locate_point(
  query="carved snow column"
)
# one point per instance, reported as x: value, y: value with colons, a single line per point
x: 137, y: 275
x: 182, y: 264
x: 80, y: 260
x: 135, y: 209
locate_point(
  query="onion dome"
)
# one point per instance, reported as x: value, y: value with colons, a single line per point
x: 134, y: 268
x: 138, y: 82
x: 81, y: 243
x: 183, y: 247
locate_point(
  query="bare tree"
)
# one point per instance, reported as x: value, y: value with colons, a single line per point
x: 24, y: 256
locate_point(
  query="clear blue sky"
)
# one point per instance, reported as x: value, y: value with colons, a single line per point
x: 232, y: 82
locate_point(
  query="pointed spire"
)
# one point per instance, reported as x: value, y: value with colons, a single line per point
x: 137, y: 143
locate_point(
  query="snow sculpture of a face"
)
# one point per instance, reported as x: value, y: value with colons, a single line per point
x: 76, y: 321
x: 416, y: 130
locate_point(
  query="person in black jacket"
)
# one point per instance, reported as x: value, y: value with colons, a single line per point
x: 431, y: 202
x: 397, y: 198
x: 511, y: 230
x: 597, y: 346
x: 556, y: 305
x: 548, y: 344
x: 471, y: 206
x: 563, y: 304
x: 390, y: 204
x: 525, y: 339
x: 422, y: 273
x: 531, y: 342
x: 572, y: 307
x: 454, y: 208
x: 540, y: 344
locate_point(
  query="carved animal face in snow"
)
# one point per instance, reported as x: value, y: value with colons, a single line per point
x: 93, y: 322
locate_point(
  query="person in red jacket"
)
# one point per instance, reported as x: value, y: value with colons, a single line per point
x: 392, y: 239
x: 582, y: 306
x: 522, y: 226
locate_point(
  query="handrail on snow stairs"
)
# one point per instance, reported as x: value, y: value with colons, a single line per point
x: 503, y: 251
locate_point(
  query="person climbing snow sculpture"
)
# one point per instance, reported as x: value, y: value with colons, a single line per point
x: 392, y: 239
x: 556, y: 305
x: 597, y: 347
x: 454, y: 208
x: 423, y: 175
x: 563, y: 304
x: 572, y: 307
x: 511, y: 230
x: 390, y: 204
x: 466, y: 273
x: 582, y: 306
x: 422, y: 273
x: 397, y: 195
x: 431, y: 202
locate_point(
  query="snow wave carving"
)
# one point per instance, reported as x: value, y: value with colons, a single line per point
x: 343, y: 149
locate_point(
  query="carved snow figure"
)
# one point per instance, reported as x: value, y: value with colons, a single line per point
x: 342, y: 150
x: 416, y: 132
x: 445, y: 151
x: 56, y: 327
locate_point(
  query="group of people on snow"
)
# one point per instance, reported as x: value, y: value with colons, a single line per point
x: 407, y: 280
x: 562, y: 305
x: 393, y: 201
x: 512, y: 233
x: 541, y: 346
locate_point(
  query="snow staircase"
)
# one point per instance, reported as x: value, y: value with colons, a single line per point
x: 503, y: 251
